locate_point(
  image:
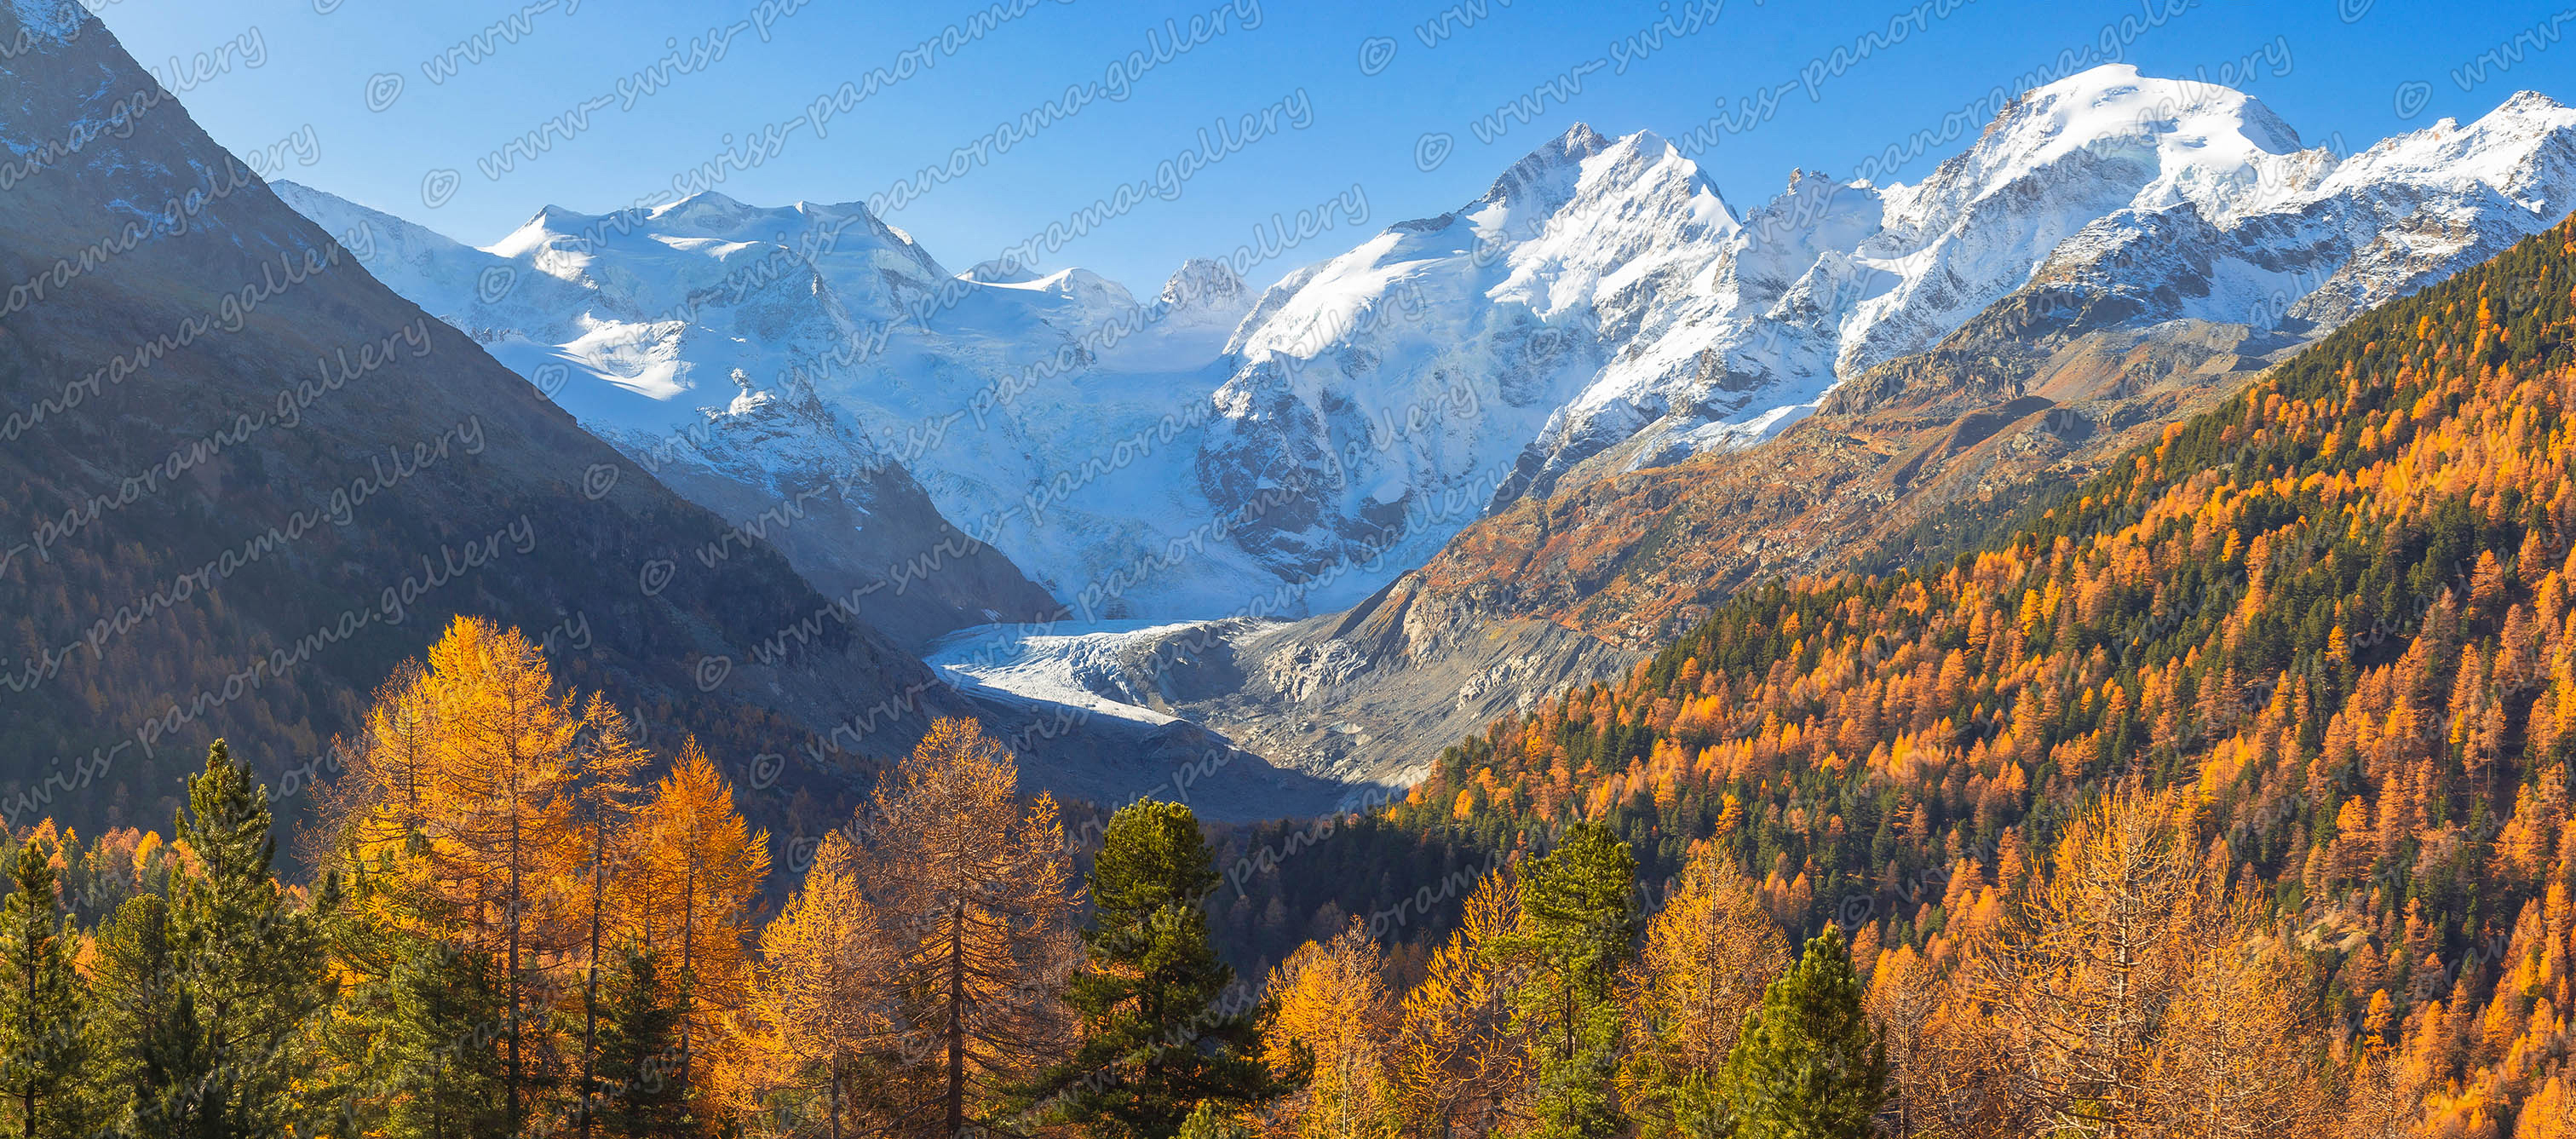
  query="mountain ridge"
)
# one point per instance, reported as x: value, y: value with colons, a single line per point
x: 1600, y: 333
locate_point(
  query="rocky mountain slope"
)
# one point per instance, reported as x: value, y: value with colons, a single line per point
x: 2219, y: 249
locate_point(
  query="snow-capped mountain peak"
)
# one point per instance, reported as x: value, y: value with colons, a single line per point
x: 2213, y: 147
x: 1668, y: 323
x: 1599, y: 298
x: 1544, y: 178
x: 2513, y: 150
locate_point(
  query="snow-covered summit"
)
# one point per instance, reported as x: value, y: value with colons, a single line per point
x: 1600, y: 297
x: 756, y: 356
x: 999, y: 271
x: 2161, y: 142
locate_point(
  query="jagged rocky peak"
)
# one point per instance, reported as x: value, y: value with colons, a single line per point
x: 1549, y: 171
x: 1203, y: 284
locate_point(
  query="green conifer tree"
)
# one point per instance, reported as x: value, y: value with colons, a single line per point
x: 1207, y: 1122
x: 40, y: 1001
x: 1809, y: 1065
x: 441, y: 1072
x: 1159, y: 1039
x: 250, y: 966
x: 175, y: 1072
x: 134, y: 1019
x: 1578, y: 923
x: 642, y: 1093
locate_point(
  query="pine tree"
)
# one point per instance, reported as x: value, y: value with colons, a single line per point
x: 1206, y: 1121
x: 1578, y: 915
x: 1158, y: 1035
x: 1809, y: 1065
x: 134, y: 1003
x: 250, y: 966
x: 177, y: 1069
x: 41, y: 1000
x: 644, y: 1091
x: 444, y: 1072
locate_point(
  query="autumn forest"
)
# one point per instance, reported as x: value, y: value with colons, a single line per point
x: 2226, y: 795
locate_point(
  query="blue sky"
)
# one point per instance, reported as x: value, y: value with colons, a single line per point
x: 1357, y: 95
